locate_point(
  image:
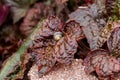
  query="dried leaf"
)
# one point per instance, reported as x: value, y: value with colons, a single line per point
x: 106, y: 32
x: 102, y: 63
x: 4, y: 10
x: 114, y: 42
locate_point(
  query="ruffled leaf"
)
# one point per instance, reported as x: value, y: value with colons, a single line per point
x: 32, y: 19
x: 114, y: 42
x: 89, y: 26
x: 44, y: 59
x: 42, y: 47
x: 95, y: 33
x: 92, y: 21
x: 102, y: 63
x: 65, y: 49
x: 73, y: 28
x: 106, y: 32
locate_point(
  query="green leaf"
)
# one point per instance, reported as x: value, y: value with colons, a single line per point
x: 18, y: 13
x: 19, y: 8
x: 15, y: 59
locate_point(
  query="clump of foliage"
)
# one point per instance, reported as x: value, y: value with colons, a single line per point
x: 90, y: 30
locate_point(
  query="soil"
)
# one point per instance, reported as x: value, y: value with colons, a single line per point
x: 75, y: 71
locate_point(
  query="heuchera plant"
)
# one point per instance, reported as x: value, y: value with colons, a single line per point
x: 82, y: 23
x: 91, y: 33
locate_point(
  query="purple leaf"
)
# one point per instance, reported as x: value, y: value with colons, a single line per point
x: 102, y: 63
x: 114, y: 42
x: 89, y: 26
x: 4, y: 10
x: 42, y: 47
x: 73, y: 28
x: 95, y: 33
x: 65, y: 49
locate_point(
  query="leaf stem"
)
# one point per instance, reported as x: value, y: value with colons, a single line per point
x: 15, y: 59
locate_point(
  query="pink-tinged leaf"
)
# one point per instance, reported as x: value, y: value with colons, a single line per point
x: 95, y: 33
x: 88, y: 18
x: 42, y: 47
x: 114, y: 42
x: 43, y: 52
x: 102, y: 63
x: 65, y: 49
x: 45, y: 60
x: 106, y: 32
x: 87, y: 61
x: 31, y: 19
x: 73, y: 28
x: 4, y: 11
x: 89, y: 26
